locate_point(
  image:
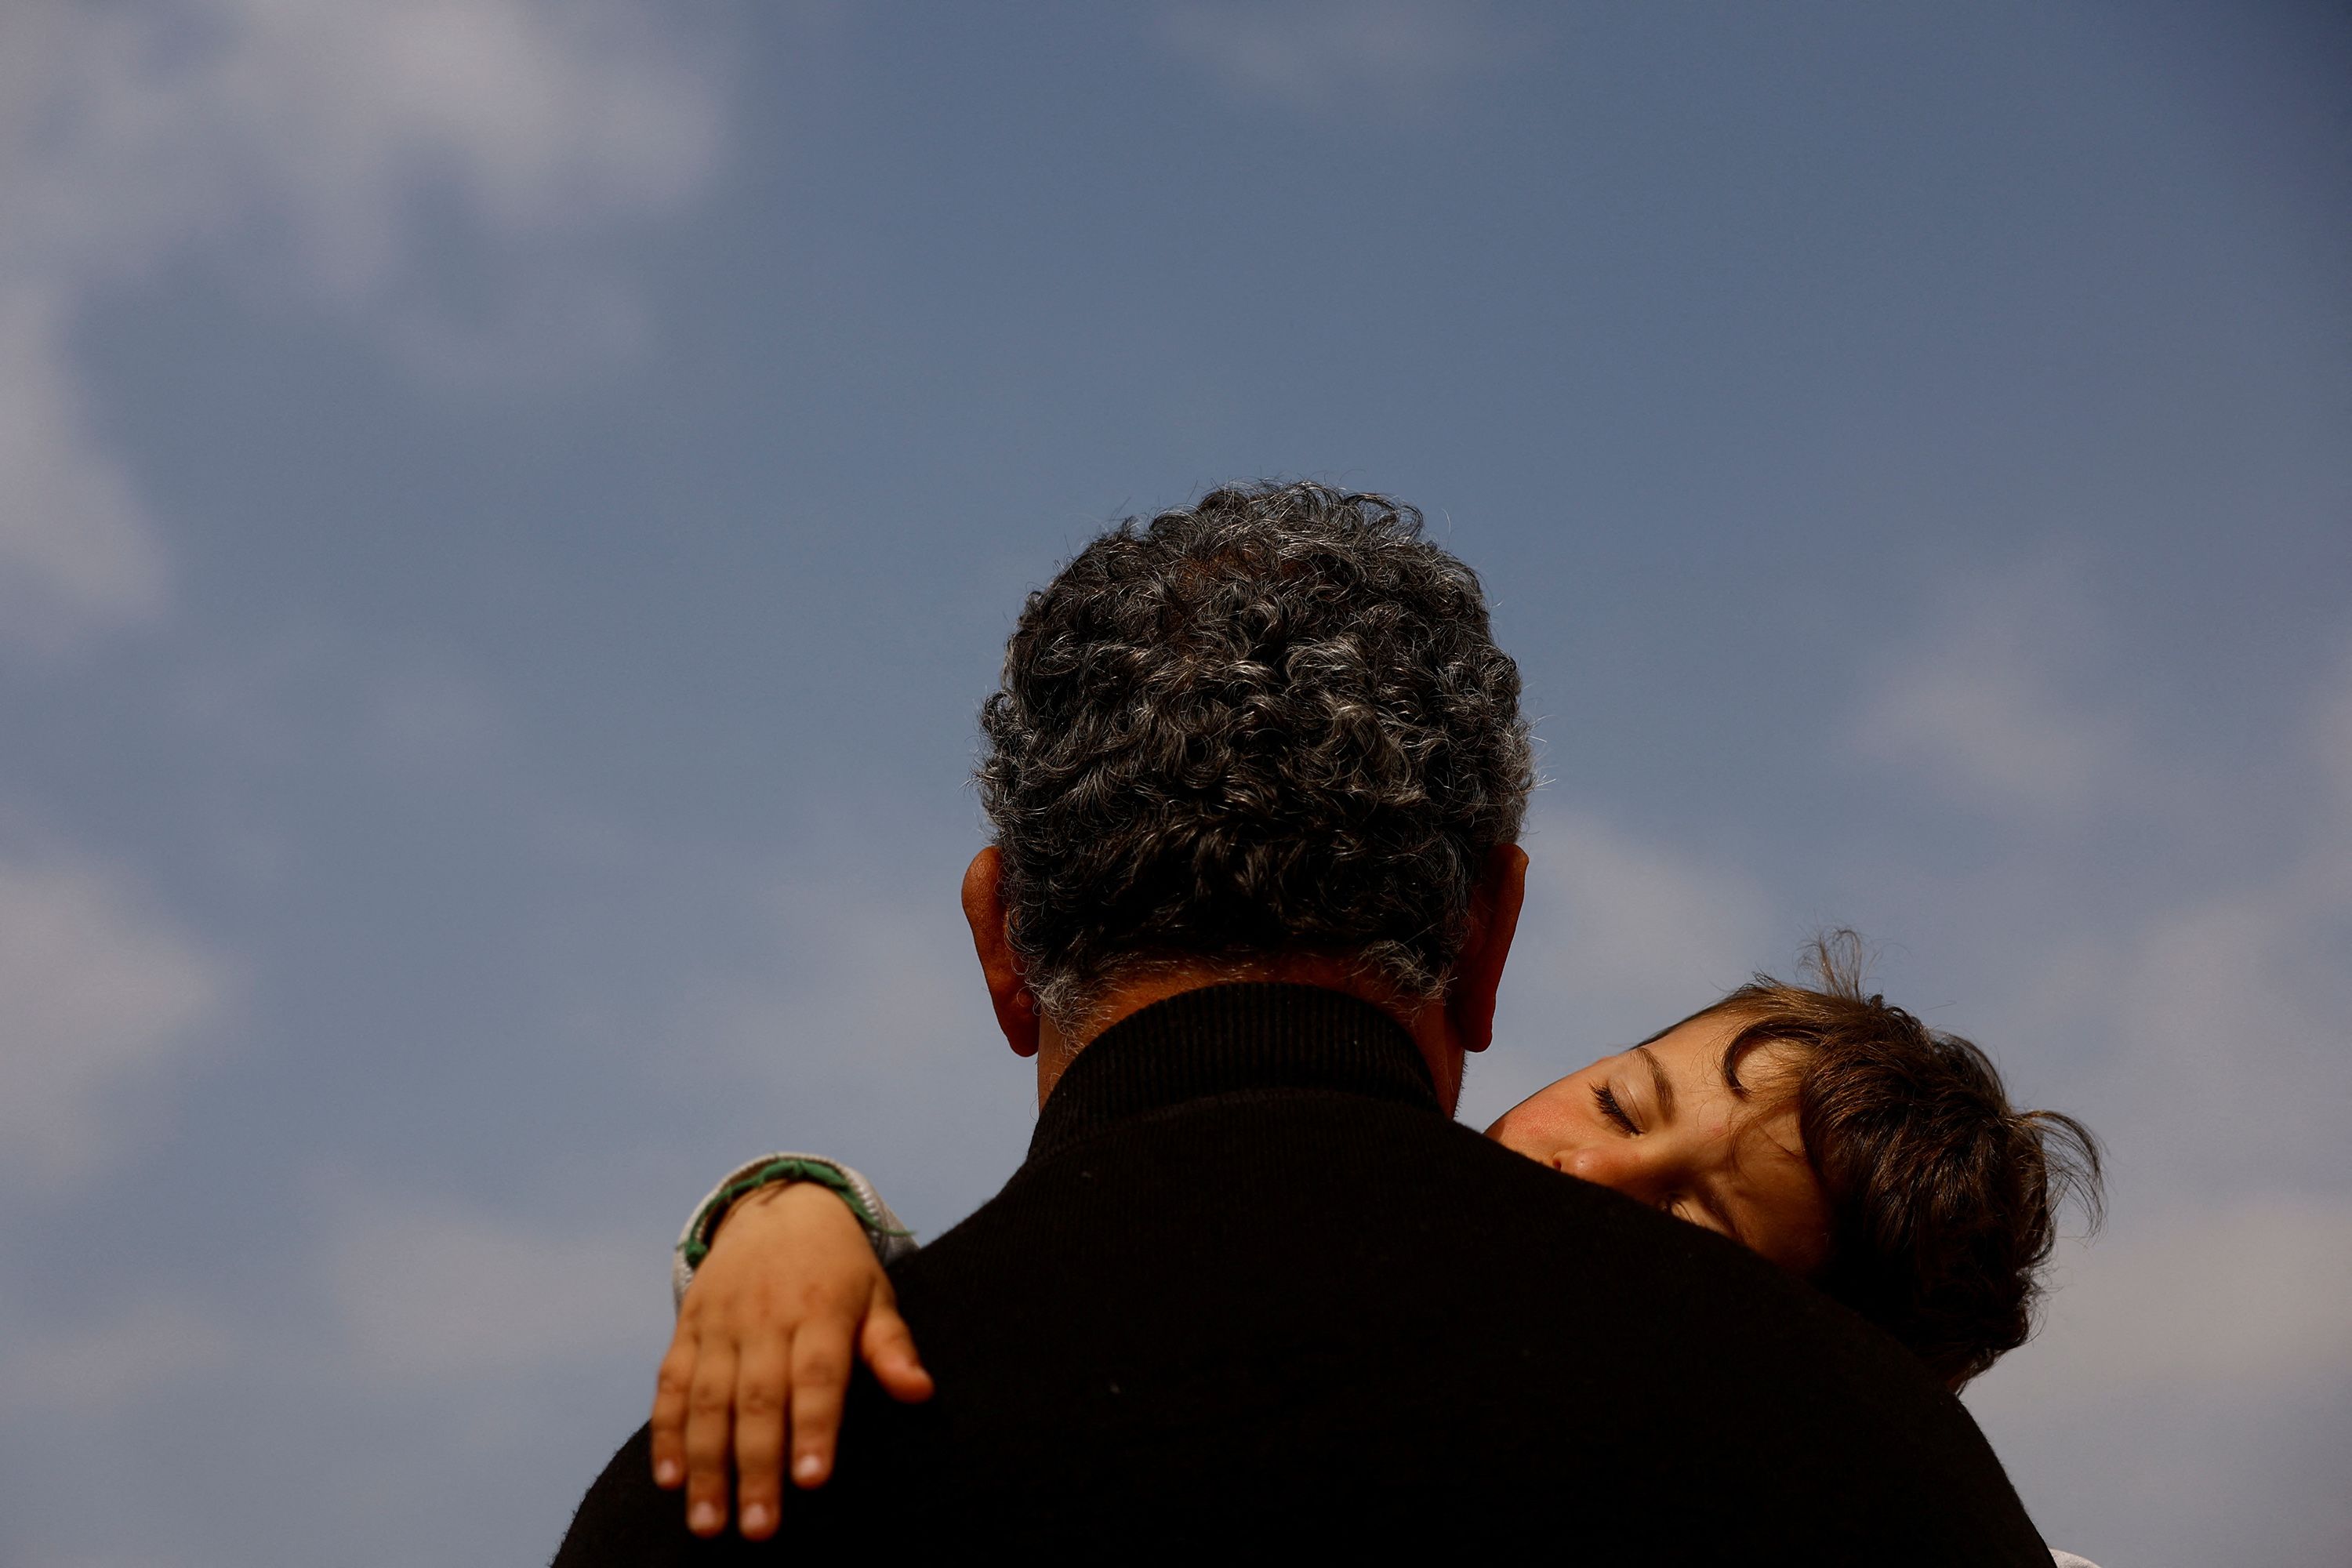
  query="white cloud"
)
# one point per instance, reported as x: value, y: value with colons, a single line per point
x: 301, y: 143
x: 858, y: 981
x: 2329, y: 733
x: 77, y: 552
x: 429, y: 719
x: 1619, y: 938
x: 97, y: 1368
x: 1318, y: 54
x: 2189, y: 1385
x: 2230, y: 1022
x: 843, y: 1011
x: 1979, y: 706
x: 2230, y: 1295
x: 97, y: 993
x: 426, y: 1292
x: 2213, y: 1026
x: 1982, y: 722
x: 1616, y: 920
x: 2202, y: 1022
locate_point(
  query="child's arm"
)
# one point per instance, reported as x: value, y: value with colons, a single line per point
x: 780, y: 1284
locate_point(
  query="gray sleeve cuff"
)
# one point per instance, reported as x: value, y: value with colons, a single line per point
x: 884, y: 1232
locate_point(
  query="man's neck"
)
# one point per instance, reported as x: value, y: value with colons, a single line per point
x: 1425, y: 1021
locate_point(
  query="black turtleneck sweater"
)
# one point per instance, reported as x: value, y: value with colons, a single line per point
x: 1251, y: 1290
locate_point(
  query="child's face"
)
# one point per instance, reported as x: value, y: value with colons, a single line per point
x: 1661, y: 1124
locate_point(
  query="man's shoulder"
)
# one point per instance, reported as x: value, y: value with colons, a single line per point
x: 1372, y: 1288
x: 1247, y: 1165
x: 1374, y: 1233
x: 1267, y: 1308
x: 1241, y: 1185
x: 625, y: 1519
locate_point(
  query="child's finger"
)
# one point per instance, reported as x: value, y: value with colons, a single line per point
x: 821, y: 1366
x: 710, y: 1413
x: 889, y: 1347
x: 671, y: 1387
x: 760, y: 1386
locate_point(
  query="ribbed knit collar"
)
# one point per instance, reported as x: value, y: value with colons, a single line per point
x: 1232, y: 1040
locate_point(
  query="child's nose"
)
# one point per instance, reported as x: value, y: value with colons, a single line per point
x: 1620, y: 1166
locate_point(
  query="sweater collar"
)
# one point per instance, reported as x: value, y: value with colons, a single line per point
x: 1232, y: 1040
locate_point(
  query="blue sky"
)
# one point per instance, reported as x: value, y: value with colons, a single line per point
x: 510, y: 507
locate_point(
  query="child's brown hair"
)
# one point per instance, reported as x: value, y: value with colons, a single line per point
x: 1943, y: 1197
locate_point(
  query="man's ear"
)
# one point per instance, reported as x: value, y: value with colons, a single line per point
x: 1494, y: 920
x: 984, y: 907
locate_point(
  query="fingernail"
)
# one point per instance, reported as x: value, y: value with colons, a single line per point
x: 807, y: 1467
x: 705, y: 1516
x: 755, y: 1516
x: 667, y: 1472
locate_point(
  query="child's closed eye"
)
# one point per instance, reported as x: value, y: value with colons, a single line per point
x: 1616, y: 1112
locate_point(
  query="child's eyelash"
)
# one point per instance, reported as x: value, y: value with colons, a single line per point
x: 1611, y: 1110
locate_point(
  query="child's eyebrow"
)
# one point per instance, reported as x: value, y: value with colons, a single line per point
x: 1659, y: 1081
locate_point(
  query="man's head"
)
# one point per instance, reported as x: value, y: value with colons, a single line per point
x: 1268, y: 734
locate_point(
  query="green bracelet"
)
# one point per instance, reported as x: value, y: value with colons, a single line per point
x: 698, y: 1244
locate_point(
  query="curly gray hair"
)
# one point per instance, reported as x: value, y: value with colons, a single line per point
x: 1272, y: 722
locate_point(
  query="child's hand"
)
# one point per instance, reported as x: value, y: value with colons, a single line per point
x: 764, y: 1342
